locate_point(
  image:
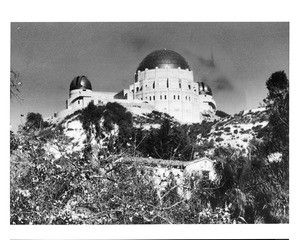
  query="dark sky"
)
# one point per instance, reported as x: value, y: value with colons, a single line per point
x: 49, y: 55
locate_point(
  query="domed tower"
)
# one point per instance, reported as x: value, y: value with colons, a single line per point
x: 204, y: 89
x: 205, y: 94
x: 80, y: 92
x: 162, y: 59
x: 165, y: 80
x: 80, y: 82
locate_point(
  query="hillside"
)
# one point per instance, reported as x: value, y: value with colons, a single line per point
x: 230, y: 131
x: 107, y: 165
x: 236, y: 131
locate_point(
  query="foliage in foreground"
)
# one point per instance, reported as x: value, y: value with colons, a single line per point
x: 72, y: 189
x: 51, y: 184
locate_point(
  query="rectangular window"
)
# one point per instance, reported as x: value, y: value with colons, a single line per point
x: 153, y: 98
x: 178, y: 97
x: 165, y: 96
x: 160, y: 97
x: 150, y: 98
x: 174, y: 97
x: 189, y: 87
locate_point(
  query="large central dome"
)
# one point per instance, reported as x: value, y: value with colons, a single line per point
x: 163, y: 59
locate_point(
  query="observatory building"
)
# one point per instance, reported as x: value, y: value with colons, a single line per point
x: 163, y: 81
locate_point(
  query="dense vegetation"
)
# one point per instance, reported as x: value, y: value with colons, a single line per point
x: 52, y: 184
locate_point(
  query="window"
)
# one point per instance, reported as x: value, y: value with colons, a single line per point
x: 179, y: 83
x: 167, y: 82
x: 150, y: 98
x: 78, y: 101
x: 189, y: 87
x: 174, y: 97
x: 153, y: 85
x: 160, y: 97
x: 141, y: 98
x: 153, y: 98
x: 165, y: 96
x: 137, y: 89
x: 178, y: 97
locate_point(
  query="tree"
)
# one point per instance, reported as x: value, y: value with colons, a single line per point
x: 277, y: 105
x: 15, y: 84
x: 34, y: 121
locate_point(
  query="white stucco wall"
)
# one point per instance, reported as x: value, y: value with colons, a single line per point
x: 199, y: 165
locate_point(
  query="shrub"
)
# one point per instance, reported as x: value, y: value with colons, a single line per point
x: 222, y: 114
x: 219, y: 139
x: 227, y: 129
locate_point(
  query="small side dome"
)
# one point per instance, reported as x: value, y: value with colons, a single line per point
x: 204, y: 88
x: 80, y: 82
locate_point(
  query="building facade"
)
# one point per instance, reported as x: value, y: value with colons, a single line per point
x: 163, y: 81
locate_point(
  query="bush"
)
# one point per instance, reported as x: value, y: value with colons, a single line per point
x: 227, y: 129
x: 222, y: 114
x: 219, y: 139
x: 170, y: 141
x: 34, y: 121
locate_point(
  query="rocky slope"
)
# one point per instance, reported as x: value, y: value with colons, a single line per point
x: 236, y: 131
